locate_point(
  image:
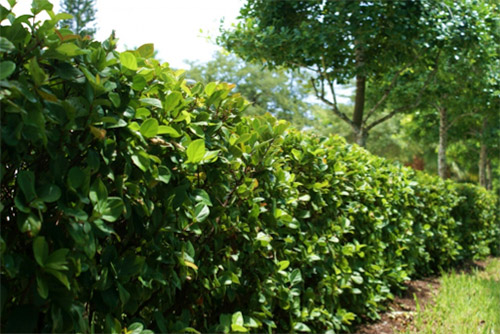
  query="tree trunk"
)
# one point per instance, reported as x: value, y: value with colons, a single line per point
x: 361, y: 136
x: 359, y: 100
x: 482, y: 166
x: 489, y: 180
x: 482, y: 156
x: 443, y: 124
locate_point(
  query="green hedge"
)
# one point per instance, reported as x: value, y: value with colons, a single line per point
x: 132, y: 199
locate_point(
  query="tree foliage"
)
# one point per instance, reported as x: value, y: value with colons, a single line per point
x: 392, y: 50
x: 283, y: 93
x: 339, y: 41
x: 83, y: 12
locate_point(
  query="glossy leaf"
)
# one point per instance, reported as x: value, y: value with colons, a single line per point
x: 128, y: 60
x: 196, y: 151
x: 26, y: 181
x: 149, y: 128
x: 112, y: 208
x: 40, y: 250
x: 6, y: 69
x: 50, y: 193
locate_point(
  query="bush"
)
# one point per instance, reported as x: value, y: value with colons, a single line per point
x: 477, y: 218
x: 131, y: 199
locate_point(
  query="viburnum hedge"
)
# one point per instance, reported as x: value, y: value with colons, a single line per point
x: 131, y: 199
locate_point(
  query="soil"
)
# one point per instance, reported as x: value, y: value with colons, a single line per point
x: 402, y: 309
x: 399, y: 317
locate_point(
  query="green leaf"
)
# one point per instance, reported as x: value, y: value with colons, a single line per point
x: 26, y: 181
x: 50, y: 193
x: 115, y: 99
x: 164, y: 174
x: 103, y: 227
x: 139, y: 82
x: 141, y: 161
x: 357, y: 279
x: 146, y: 50
x: 57, y: 260
x: 301, y: 327
x: 112, y: 209
x: 71, y: 50
x: 135, y: 328
x: 172, y: 100
x: 128, y: 60
x: 295, y: 277
x: 196, y: 151
x: 284, y: 264
x: 237, y: 319
x: 168, y: 130
x: 42, y: 287
x: 152, y: 102
x: 32, y: 224
x: 210, y: 88
x: 40, y: 250
x: 149, y: 128
x: 6, y: 45
x: 75, y: 177
x: 6, y: 69
x: 238, y: 328
x: 211, y: 156
x: 39, y: 5
x: 197, y: 130
x: 60, y: 276
x: 264, y: 238
x: 202, y: 196
x: 201, y: 212
x: 123, y: 294
x: 98, y: 191
x: 250, y: 322
x: 142, y: 112
x: 37, y: 72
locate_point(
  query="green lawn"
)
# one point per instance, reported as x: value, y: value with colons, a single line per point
x: 465, y: 303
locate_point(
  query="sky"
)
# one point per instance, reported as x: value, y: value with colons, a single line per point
x: 179, y: 29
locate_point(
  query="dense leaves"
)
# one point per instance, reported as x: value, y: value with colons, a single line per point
x: 132, y: 200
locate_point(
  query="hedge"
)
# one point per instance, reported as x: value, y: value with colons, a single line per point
x: 133, y: 199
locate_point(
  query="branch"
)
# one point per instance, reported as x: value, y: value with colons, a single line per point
x: 330, y: 82
x: 335, y: 109
x: 411, y: 106
x: 389, y: 89
x: 459, y: 117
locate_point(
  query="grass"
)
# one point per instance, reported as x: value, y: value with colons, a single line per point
x: 465, y: 303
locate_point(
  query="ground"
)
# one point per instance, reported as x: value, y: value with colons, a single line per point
x: 403, y: 308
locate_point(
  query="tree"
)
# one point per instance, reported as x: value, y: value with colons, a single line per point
x: 280, y: 92
x: 83, y: 12
x: 374, y: 43
x: 463, y: 91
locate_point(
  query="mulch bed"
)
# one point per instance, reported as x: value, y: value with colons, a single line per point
x: 402, y: 309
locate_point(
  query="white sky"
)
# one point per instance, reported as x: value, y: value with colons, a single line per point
x: 173, y: 26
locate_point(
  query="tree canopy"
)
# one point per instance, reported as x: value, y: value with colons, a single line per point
x: 382, y: 45
x: 83, y: 12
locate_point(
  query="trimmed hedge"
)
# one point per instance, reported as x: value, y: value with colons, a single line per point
x: 132, y: 199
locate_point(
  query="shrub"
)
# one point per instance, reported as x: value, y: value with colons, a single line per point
x: 131, y: 200
x: 476, y: 214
